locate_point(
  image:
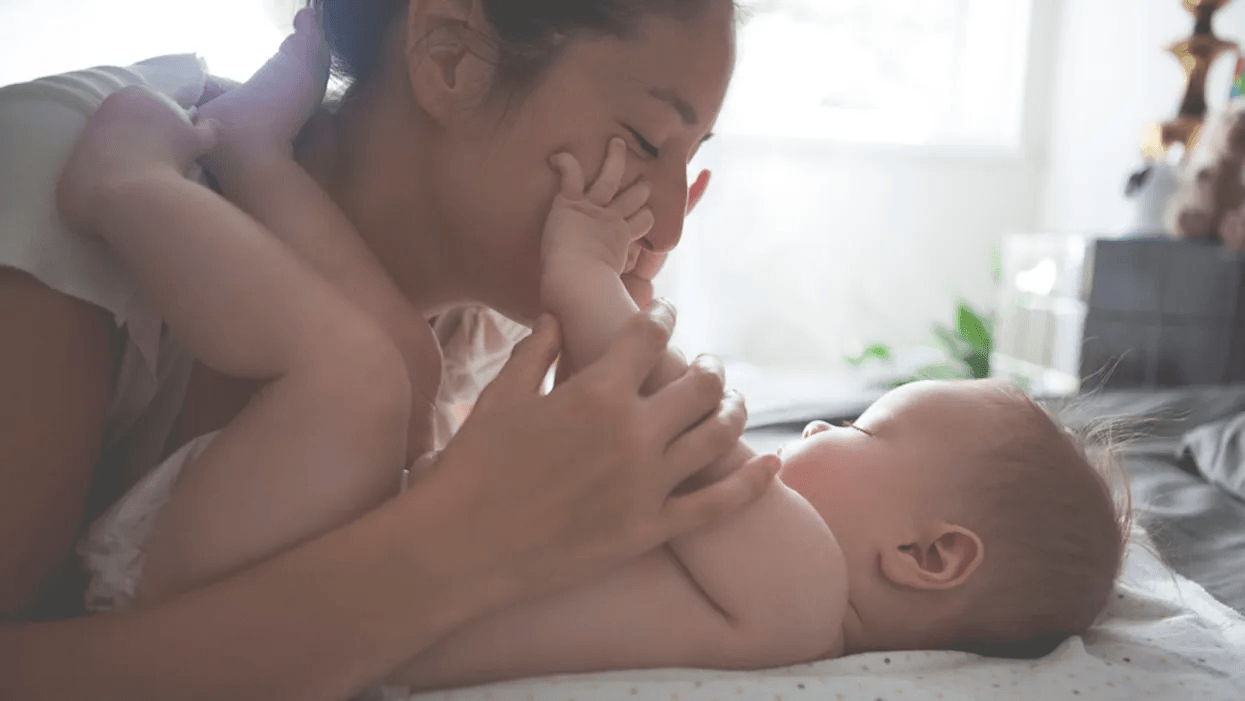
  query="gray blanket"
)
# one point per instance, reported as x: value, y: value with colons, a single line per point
x: 1216, y: 451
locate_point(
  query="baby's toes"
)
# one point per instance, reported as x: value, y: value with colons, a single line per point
x: 306, y: 43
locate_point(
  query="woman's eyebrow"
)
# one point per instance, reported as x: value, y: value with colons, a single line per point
x: 686, y: 112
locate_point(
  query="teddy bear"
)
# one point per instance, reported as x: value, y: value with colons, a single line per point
x: 1209, y: 202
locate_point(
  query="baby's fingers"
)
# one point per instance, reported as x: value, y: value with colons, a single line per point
x: 631, y: 200
x: 572, y: 175
x: 610, y: 179
x: 206, y: 136
x: 641, y: 223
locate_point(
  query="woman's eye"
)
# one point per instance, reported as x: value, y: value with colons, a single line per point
x: 644, y: 144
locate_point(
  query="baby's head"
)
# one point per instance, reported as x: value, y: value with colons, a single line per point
x: 970, y: 519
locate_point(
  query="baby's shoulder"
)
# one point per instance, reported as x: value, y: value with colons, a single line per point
x: 814, y: 582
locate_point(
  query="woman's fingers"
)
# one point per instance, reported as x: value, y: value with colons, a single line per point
x: 639, y: 347
x: 572, y: 175
x: 529, y: 362
x: 726, y: 496
x: 708, y: 439
x: 691, y: 397
x: 607, y: 183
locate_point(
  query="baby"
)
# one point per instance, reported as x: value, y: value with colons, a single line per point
x: 950, y: 515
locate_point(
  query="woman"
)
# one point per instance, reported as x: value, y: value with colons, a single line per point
x: 438, y: 156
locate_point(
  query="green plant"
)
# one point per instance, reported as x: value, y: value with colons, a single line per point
x: 967, y: 347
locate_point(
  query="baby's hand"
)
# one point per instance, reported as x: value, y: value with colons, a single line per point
x: 260, y: 118
x: 135, y: 132
x: 600, y: 223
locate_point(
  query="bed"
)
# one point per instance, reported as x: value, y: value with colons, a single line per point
x: 1171, y: 631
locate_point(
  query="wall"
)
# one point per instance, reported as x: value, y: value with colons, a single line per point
x: 1112, y: 77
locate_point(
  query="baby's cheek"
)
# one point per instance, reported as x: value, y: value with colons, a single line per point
x: 796, y: 476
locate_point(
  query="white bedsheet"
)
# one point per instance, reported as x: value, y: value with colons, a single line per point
x: 1163, y: 637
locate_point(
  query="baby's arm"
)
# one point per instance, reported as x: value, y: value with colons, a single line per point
x: 255, y: 169
x: 773, y: 564
x: 327, y: 433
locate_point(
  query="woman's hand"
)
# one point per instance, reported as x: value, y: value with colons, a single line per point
x: 544, y: 491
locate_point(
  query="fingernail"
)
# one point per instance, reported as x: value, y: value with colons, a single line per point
x: 542, y: 323
x: 774, y: 466
x: 662, y: 306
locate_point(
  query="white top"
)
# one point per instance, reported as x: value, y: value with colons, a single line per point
x: 39, y: 123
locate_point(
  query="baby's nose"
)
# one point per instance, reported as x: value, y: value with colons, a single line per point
x: 815, y: 427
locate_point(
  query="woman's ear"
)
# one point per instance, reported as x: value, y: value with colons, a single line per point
x: 944, y: 560
x: 450, y: 56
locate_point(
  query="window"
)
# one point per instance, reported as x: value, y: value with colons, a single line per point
x: 870, y: 157
x: 899, y: 71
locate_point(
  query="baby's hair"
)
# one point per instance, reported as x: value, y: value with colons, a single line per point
x: 1055, y: 523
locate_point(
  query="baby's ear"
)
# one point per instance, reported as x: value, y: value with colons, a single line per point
x: 943, y: 558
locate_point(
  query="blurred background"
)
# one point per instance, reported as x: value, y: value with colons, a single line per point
x: 870, y: 162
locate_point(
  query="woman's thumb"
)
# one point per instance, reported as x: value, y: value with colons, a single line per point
x: 531, y: 359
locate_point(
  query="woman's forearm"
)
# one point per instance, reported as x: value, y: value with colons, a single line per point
x: 318, y: 623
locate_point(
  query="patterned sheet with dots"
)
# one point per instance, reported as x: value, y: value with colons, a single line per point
x: 1163, y: 637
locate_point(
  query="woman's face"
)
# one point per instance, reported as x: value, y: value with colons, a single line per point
x: 660, y: 91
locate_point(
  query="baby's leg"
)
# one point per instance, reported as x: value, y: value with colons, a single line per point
x: 322, y: 443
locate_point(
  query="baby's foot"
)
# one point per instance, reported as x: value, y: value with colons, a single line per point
x: 261, y: 117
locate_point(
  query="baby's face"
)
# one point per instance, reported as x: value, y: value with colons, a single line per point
x: 904, y: 457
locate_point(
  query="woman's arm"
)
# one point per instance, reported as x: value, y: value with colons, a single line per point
x: 56, y: 368
x: 320, y: 622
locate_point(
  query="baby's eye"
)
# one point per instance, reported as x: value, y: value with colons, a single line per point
x: 644, y: 144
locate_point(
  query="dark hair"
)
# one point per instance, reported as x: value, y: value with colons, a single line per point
x: 529, y: 32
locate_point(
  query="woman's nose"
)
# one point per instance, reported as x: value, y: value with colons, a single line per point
x: 669, y: 205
